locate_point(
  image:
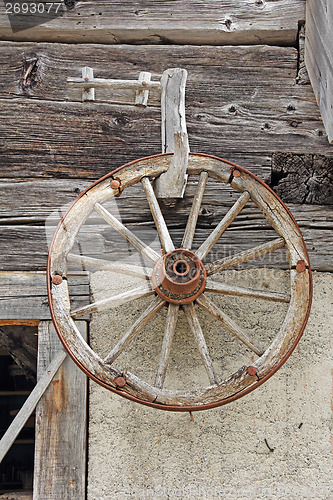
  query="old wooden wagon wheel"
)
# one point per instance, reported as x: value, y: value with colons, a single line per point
x: 180, y: 279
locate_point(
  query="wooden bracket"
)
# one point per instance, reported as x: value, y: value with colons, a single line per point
x: 171, y: 184
x: 88, y: 84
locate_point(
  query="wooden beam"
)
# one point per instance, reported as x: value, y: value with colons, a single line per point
x: 192, y: 22
x: 316, y: 225
x: 319, y: 56
x: 60, y: 449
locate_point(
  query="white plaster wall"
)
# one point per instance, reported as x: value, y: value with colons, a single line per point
x: 139, y: 452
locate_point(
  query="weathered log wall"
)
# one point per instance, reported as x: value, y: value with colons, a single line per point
x: 242, y: 103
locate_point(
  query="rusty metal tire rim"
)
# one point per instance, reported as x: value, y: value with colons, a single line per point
x: 184, y: 293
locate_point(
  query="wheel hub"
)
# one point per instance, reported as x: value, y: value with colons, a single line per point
x: 179, y: 276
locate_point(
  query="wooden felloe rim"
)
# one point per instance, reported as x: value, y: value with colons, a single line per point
x: 218, y: 392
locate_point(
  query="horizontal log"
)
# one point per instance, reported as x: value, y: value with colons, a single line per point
x: 24, y: 296
x: 69, y: 140
x: 100, y: 242
x: 39, y: 201
x: 40, y: 71
x: 214, y: 22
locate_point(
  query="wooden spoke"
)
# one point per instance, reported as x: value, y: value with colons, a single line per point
x: 208, y: 244
x: 239, y: 258
x: 213, y: 286
x: 194, y: 324
x: 146, y: 251
x: 193, y: 217
x: 169, y: 332
x: 161, y: 227
x: 236, y: 330
x: 105, y: 265
x: 154, y: 307
x: 110, y: 302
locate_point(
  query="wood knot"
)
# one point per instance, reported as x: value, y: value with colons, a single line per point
x: 228, y: 23
x: 30, y: 76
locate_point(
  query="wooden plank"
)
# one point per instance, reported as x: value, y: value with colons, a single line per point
x: 247, y: 71
x: 319, y: 57
x: 302, y: 75
x: 60, y: 446
x: 318, y: 238
x: 72, y: 141
x: 215, y: 22
x: 30, y: 404
x: 23, y: 295
x: 32, y: 203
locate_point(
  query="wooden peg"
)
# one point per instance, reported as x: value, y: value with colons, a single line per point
x: 141, y: 96
x: 88, y: 94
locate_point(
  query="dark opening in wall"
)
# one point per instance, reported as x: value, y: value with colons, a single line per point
x: 18, y: 349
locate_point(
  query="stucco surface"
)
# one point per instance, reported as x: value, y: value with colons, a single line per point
x: 273, y: 443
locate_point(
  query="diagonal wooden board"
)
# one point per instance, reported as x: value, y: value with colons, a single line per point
x: 61, y: 424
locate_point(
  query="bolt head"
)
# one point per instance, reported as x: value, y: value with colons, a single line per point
x: 120, y: 381
x: 57, y: 279
x: 252, y: 370
x: 300, y: 266
x: 236, y: 173
x: 115, y: 184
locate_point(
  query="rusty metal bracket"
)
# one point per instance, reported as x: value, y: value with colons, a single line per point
x: 174, y: 137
